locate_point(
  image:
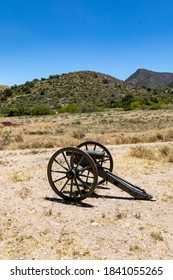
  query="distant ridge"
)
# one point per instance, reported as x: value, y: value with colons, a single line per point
x: 150, y: 79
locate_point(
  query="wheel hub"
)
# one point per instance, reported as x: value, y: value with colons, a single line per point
x: 71, y: 174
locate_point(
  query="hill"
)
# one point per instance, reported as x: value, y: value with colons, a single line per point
x: 150, y: 79
x: 84, y: 91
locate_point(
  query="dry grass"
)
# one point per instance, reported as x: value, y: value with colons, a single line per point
x: 161, y: 153
x: 111, y: 127
x: 22, y: 176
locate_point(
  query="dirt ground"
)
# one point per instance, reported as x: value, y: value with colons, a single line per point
x: 37, y: 224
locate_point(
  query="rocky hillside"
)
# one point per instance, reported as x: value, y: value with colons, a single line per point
x: 87, y: 90
x: 150, y: 79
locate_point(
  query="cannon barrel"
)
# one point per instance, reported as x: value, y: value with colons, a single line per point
x: 94, y: 154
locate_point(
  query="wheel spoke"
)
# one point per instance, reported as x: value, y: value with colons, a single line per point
x: 86, y: 176
x: 102, y: 161
x: 59, y: 179
x: 80, y: 161
x: 78, y: 187
x: 84, y: 183
x: 66, y: 160
x: 72, y: 159
x: 58, y: 171
x: 106, y: 159
x: 94, y: 147
x: 71, y: 188
x: 64, y: 185
x: 61, y: 164
x: 86, y: 146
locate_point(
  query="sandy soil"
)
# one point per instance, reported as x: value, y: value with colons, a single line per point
x: 36, y: 224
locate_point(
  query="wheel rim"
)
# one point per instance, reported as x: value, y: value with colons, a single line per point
x: 106, y: 163
x: 72, y: 174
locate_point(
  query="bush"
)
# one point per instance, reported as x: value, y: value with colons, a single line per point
x: 78, y: 134
x: 88, y: 108
x: 127, y: 99
x: 6, y: 94
x: 139, y: 104
x: 129, y: 103
x: 11, y: 112
x: 155, y: 106
x: 40, y: 110
x: 70, y: 108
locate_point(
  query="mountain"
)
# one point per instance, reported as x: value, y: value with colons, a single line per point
x: 150, y: 79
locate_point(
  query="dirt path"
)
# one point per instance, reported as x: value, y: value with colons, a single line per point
x: 36, y: 224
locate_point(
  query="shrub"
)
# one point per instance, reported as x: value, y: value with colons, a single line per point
x: 70, y: 108
x: 129, y: 103
x: 78, y: 134
x: 11, y: 112
x: 157, y: 236
x: 140, y: 103
x: 40, y: 110
x: 5, y: 138
x: 127, y: 99
x: 88, y: 108
x: 5, y: 94
x: 155, y: 106
x: 166, y: 152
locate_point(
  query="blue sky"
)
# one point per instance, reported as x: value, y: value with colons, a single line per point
x: 39, y: 38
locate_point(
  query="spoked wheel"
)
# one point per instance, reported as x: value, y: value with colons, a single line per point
x: 106, y: 162
x: 72, y: 174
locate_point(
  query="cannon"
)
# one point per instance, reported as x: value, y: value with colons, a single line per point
x: 75, y: 172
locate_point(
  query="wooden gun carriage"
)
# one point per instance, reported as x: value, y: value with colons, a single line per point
x: 75, y: 172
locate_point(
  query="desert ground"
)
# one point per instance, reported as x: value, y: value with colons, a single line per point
x: 37, y: 224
